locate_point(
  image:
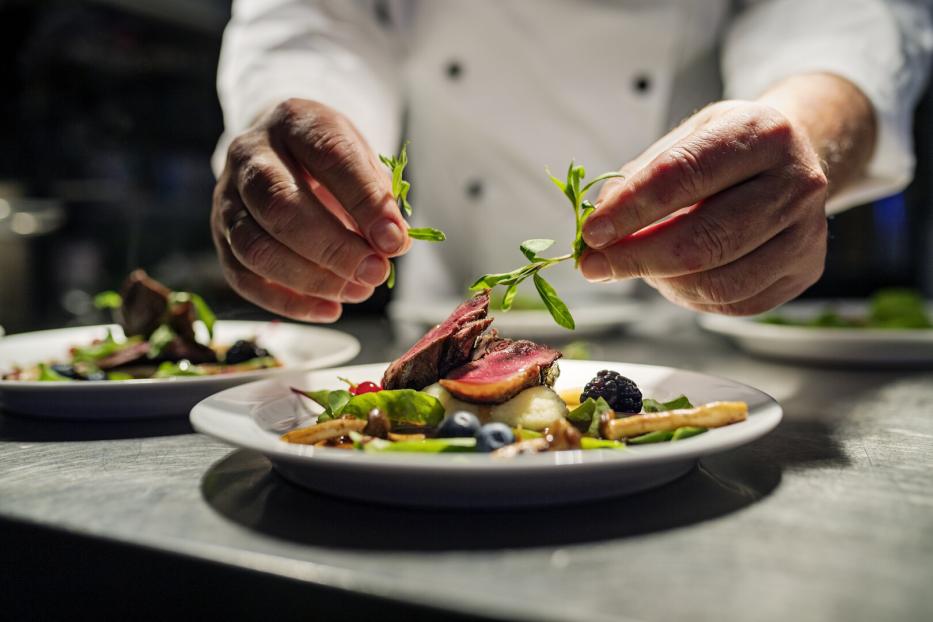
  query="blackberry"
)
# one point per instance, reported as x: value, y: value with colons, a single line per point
x: 244, y: 350
x: 620, y: 393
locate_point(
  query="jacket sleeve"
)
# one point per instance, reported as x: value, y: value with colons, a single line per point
x: 343, y: 53
x: 881, y: 46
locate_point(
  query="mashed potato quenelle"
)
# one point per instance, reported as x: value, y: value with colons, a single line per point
x: 532, y: 409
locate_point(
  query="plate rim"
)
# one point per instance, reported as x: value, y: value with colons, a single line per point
x: 769, y: 415
x: 353, y: 347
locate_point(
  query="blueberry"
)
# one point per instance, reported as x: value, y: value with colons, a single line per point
x: 95, y: 375
x: 492, y: 436
x: 458, y: 425
x: 67, y: 370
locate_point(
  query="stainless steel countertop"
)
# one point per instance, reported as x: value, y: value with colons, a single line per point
x: 830, y: 517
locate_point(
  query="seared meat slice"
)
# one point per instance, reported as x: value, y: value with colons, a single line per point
x: 444, y: 347
x: 125, y: 356
x: 508, y: 368
x: 145, y: 301
x: 180, y: 348
x: 181, y: 317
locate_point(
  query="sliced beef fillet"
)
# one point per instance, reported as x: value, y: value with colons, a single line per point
x: 445, y: 347
x: 145, y: 301
x: 180, y: 348
x: 507, y: 368
x: 129, y: 355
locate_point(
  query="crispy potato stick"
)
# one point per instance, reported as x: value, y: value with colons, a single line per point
x: 713, y: 415
x: 324, y: 431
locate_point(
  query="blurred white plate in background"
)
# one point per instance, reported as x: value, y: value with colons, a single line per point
x: 298, y: 347
x: 838, y: 346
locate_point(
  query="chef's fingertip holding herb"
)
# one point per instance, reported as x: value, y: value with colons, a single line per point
x: 725, y: 213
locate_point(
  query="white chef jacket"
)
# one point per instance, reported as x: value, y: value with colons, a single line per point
x: 489, y: 92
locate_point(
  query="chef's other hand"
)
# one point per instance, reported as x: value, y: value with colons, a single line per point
x: 727, y: 218
x: 303, y: 216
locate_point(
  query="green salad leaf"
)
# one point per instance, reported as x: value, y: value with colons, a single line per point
x: 159, y: 339
x: 403, y: 407
x: 660, y: 436
x: 47, y: 374
x: 184, y: 367
x: 686, y: 432
x: 575, y: 192
x: 400, y: 188
x: 108, y: 300
x: 654, y: 406
x: 586, y: 416
x: 96, y: 351
x: 898, y: 308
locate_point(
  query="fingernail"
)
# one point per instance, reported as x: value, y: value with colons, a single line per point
x: 595, y: 267
x: 354, y: 292
x: 387, y: 236
x: 372, y: 270
x: 599, y: 231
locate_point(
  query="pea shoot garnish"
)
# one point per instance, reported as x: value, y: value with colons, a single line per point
x: 582, y: 209
x: 400, y: 188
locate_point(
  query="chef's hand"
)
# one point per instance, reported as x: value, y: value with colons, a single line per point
x: 726, y: 213
x: 303, y: 216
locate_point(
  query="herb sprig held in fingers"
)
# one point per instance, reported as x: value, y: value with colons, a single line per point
x: 400, y: 189
x: 576, y: 194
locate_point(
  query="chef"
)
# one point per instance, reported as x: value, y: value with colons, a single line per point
x: 783, y: 111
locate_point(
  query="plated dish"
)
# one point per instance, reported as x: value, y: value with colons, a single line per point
x: 297, y: 347
x: 490, y: 416
x: 834, y: 332
x: 162, y: 334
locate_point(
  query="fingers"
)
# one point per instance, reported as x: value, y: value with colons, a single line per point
x: 270, y: 296
x: 793, y: 254
x: 719, y: 154
x: 291, y: 214
x: 711, y: 234
x: 271, y: 260
x: 334, y: 153
x: 783, y: 290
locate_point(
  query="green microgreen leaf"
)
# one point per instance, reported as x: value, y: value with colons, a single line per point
x: 509, y: 297
x: 426, y: 233
x: 598, y: 179
x: 532, y: 247
x: 575, y: 192
x: 390, y: 282
x: 554, y: 304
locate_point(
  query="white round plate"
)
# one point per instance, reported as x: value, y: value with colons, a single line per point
x: 297, y: 346
x: 838, y: 346
x: 254, y: 415
x: 591, y: 317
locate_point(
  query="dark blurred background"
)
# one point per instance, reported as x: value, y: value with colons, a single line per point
x: 108, y: 117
